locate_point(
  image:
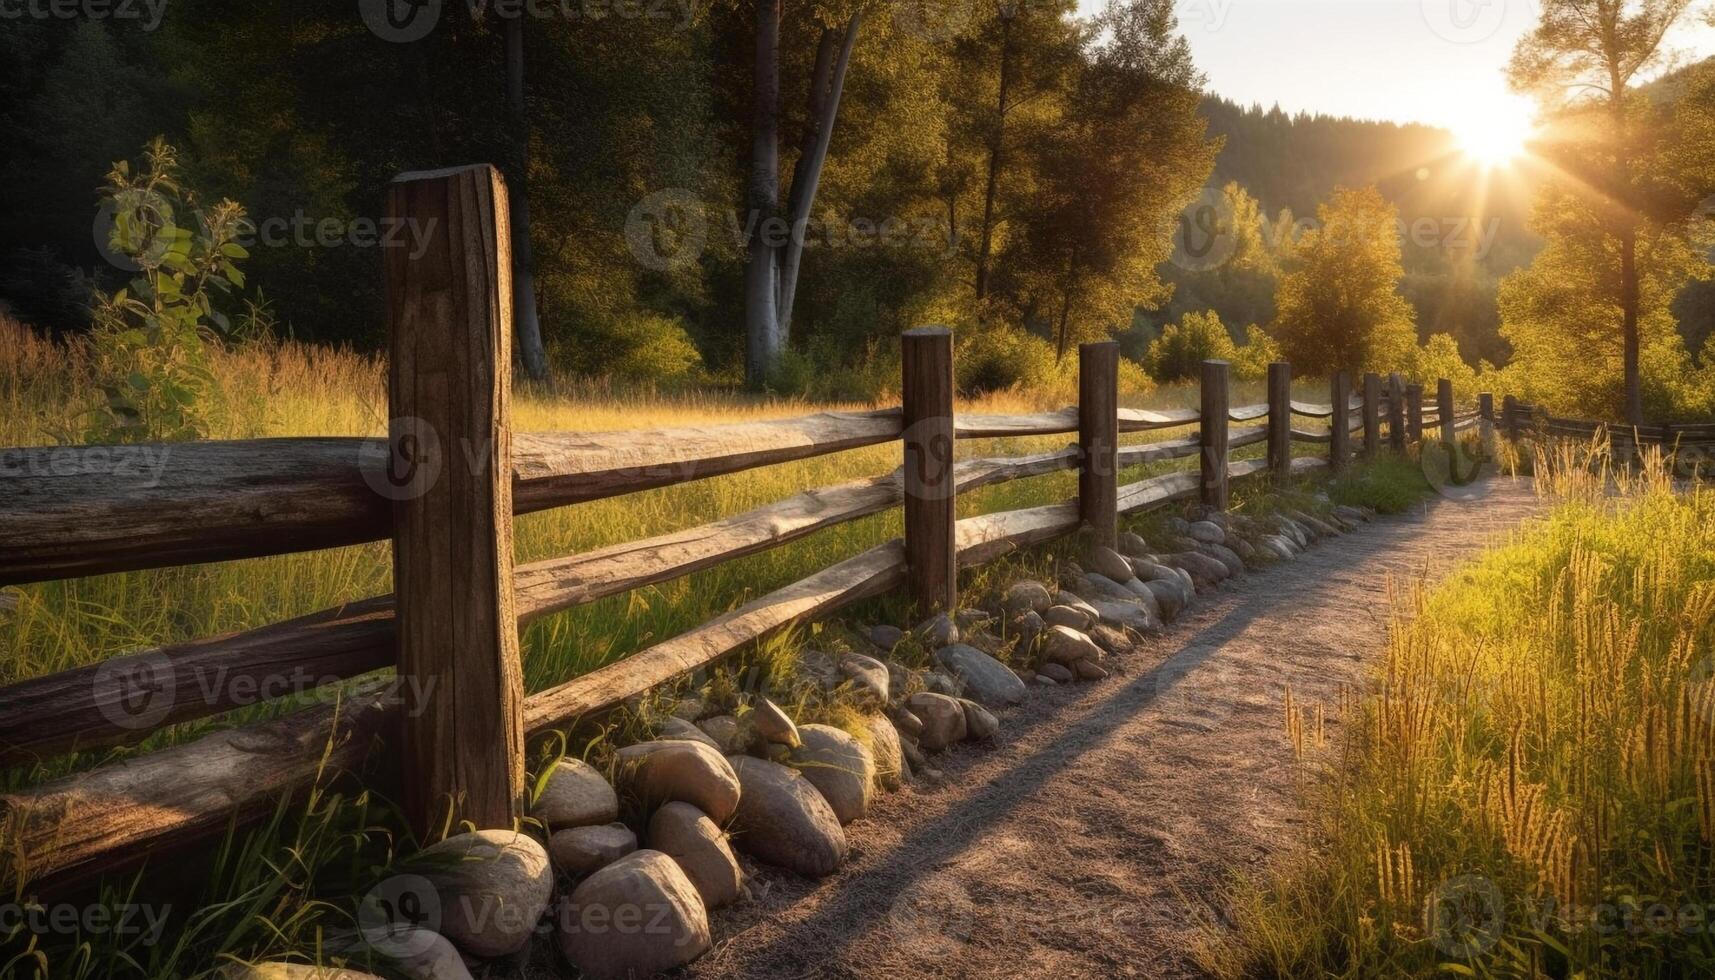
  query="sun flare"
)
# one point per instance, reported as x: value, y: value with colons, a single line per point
x: 1494, y: 135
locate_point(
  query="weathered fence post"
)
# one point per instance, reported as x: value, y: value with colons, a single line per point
x: 1280, y: 419
x: 1486, y: 422
x: 932, y: 565
x: 1414, y: 413
x: 1372, y: 414
x: 1340, y: 423
x: 1509, y: 418
x: 449, y: 313
x: 1396, y: 412
x: 1444, y: 405
x: 1098, y: 440
x: 1214, y: 434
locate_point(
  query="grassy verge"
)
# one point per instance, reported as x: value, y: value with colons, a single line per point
x: 1528, y: 790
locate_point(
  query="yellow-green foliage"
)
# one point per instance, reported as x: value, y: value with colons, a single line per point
x: 1538, y: 757
x: 1339, y: 307
x: 1178, y: 354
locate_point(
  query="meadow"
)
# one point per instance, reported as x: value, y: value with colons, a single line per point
x: 1526, y: 791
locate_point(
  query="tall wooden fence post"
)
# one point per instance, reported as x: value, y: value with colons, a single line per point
x: 1098, y: 440
x: 1214, y: 434
x: 1509, y: 418
x: 1372, y: 414
x: 1444, y: 405
x: 1280, y: 419
x: 1414, y: 413
x: 930, y: 491
x: 1340, y: 423
x: 449, y: 313
x: 1486, y: 422
x: 1396, y: 412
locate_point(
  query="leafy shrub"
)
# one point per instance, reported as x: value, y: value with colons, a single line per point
x: 1178, y: 354
x: 1251, y: 361
x: 638, y: 347
x: 150, y: 339
x: 999, y: 359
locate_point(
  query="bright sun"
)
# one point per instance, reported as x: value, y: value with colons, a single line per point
x: 1494, y: 135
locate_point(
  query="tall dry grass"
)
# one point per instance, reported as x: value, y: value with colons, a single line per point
x: 1531, y: 787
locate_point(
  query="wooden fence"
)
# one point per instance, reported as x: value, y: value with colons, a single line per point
x: 444, y: 488
x: 1677, y: 440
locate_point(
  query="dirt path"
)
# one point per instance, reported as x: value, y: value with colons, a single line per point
x: 1088, y: 839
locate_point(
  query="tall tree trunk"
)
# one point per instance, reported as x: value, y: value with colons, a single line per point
x: 807, y: 175
x: 997, y: 148
x: 528, y: 325
x: 761, y: 316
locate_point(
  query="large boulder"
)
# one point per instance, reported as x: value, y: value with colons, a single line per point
x: 886, y: 637
x: 889, y: 756
x: 1204, y: 571
x: 943, y: 720
x: 937, y: 631
x: 773, y: 725
x: 985, y: 679
x: 1143, y: 594
x: 1108, y: 562
x: 1068, y: 646
x: 1131, y: 615
x: 1169, y: 598
x: 1207, y: 532
x: 676, y: 729
x: 291, y: 971
x: 783, y: 820
x: 492, y: 887
x: 575, y: 795
x: 1026, y: 596
x: 1133, y: 546
x: 1070, y: 617
x: 839, y: 766
x: 723, y: 730
x: 1110, y: 589
x: 1225, y: 555
x: 635, y: 918
x: 980, y: 723
x: 869, y: 676
x: 582, y: 850
x: 420, y: 954
x: 687, y: 835
x: 654, y: 773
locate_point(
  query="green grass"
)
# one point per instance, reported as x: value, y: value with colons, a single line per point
x: 1527, y: 791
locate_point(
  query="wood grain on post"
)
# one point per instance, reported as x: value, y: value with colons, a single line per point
x: 449, y: 312
x: 1444, y: 405
x: 1340, y: 423
x: 1486, y: 421
x: 1098, y: 440
x: 1396, y: 412
x: 1509, y: 418
x: 1372, y: 414
x: 1215, y: 434
x: 930, y: 491
x: 1280, y: 419
x: 1414, y: 413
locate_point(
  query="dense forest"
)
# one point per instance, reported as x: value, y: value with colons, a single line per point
x: 1009, y: 169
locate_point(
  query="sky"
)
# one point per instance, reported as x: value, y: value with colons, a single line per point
x: 1433, y: 61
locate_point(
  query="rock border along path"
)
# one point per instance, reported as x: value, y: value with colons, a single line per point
x: 1089, y: 838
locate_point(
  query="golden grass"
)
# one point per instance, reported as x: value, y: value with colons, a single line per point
x: 1529, y: 791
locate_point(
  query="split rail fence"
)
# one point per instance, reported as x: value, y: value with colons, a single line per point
x: 444, y: 488
x: 1686, y: 442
